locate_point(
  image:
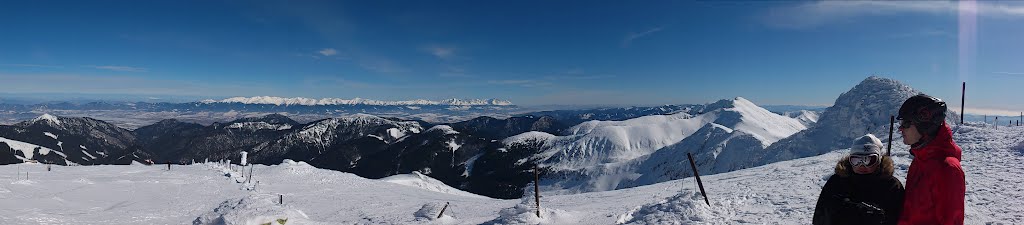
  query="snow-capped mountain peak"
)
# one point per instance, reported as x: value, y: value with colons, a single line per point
x: 271, y: 100
x: 47, y: 118
x: 603, y: 153
x: 863, y: 109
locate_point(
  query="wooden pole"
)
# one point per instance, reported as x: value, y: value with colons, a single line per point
x: 888, y: 149
x: 247, y: 179
x: 442, y: 210
x: 536, y: 188
x: 280, y: 199
x: 697, y: 176
x: 963, y: 94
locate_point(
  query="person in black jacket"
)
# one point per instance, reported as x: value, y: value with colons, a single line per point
x: 863, y: 189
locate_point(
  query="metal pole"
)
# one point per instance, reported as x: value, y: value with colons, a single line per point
x: 697, y: 176
x: 888, y: 149
x: 963, y: 94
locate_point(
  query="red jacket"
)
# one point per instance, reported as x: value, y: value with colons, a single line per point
x: 935, y: 183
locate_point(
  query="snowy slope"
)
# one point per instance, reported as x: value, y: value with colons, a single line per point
x: 805, y: 117
x: 418, y: 180
x: 601, y: 155
x: 778, y: 193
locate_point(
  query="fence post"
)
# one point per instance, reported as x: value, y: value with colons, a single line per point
x: 247, y: 179
x: 280, y: 199
x: 536, y: 188
x: 442, y: 210
x: 697, y: 177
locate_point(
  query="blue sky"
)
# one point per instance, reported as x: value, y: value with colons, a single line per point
x: 530, y: 52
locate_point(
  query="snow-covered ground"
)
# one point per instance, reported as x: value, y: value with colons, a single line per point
x: 778, y: 193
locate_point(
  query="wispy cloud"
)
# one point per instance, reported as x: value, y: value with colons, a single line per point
x: 328, y: 52
x: 633, y: 36
x: 121, y: 68
x: 1010, y: 73
x: 818, y: 13
x: 441, y: 52
x: 32, y: 65
x: 530, y: 83
x: 924, y: 34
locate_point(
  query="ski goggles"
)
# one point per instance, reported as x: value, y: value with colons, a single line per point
x: 905, y: 124
x: 864, y: 160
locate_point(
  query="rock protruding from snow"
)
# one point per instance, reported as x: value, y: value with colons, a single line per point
x: 864, y: 109
x: 270, y: 100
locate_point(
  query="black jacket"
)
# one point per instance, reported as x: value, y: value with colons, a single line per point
x: 859, y: 199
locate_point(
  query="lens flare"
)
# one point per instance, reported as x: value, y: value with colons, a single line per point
x: 967, y: 38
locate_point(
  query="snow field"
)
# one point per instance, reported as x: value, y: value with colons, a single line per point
x: 778, y: 193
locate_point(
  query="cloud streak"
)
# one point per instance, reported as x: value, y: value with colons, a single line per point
x: 121, y: 68
x: 444, y: 53
x: 1010, y: 73
x: 819, y: 13
x: 328, y: 52
x: 32, y: 65
x: 633, y: 36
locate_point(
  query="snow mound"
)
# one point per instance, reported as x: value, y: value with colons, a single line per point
x: 418, y: 180
x: 254, y: 210
x: 295, y: 167
x: 526, y: 213
x: 429, y: 212
x: 684, y: 208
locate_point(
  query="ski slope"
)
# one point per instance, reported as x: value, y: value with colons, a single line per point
x: 211, y: 193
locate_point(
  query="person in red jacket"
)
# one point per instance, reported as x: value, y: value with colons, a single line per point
x: 935, y: 181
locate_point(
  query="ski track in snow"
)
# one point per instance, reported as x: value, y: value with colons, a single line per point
x: 778, y: 193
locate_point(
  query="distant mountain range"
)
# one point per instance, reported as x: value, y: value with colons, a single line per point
x: 269, y: 100
x: 578, y: 150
